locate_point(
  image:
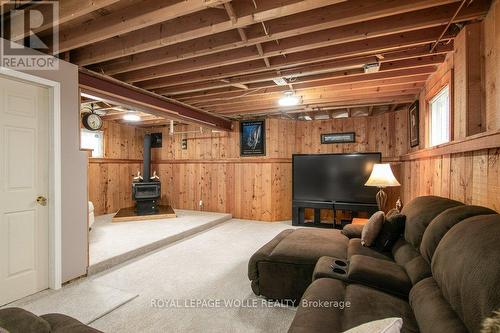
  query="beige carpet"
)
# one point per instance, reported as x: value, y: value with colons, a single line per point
x: 110, y: 240
x: 208, y: 267
x: 85, y: 300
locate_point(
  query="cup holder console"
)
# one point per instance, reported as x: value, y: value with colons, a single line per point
x: 339, y: 266
x: 332, y: 268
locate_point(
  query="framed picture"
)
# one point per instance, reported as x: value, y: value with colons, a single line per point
x: 348, y: 137
x: 413, y: 123
x: 253, y: 138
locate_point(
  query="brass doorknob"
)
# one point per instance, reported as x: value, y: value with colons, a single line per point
x: 41, y: 200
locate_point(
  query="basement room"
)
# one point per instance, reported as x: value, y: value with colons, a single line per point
x: 275, y: 166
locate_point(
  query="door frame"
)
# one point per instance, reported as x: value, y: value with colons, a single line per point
x: 55, y: 176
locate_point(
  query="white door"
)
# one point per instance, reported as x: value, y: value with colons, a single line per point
x: 24, y: 176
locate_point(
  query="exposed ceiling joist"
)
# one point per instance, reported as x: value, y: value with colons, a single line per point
x: 128, y: 19
x: 151, y: 61
x: 358, y: 48
x: 180, y: 30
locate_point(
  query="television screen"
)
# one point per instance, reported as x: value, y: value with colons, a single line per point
x: 334, y: 177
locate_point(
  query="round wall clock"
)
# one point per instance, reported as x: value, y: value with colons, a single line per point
x: 92, y: 121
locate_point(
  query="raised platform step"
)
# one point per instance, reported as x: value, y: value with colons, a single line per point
x: 112, y: 244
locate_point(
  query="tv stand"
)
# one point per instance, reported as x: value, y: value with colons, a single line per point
x: 298, y: 211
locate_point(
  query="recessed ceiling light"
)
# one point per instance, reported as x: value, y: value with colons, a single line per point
x: 131, y: 117
x: 289, y: 99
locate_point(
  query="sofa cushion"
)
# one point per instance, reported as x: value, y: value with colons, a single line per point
x: 360, y: 305
x: 264, y: 252
x: 306, y: 246
x: 372, y: 228
x: 354, y: 247
x: 404, y: 252
x: 417, y: 269
x: 60, y: 323
x: 431, y: 310
x: 380, y: 274
x: 466, y: 268
x: 352, y: 230
x: 392, y: 230
x: 420, y: 212
x: 444, y: 222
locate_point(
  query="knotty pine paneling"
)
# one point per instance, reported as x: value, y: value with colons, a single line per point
x: 472, y: 178
x: 210, y: 170
x: 110, y: 185
x: 109, y: 180
x: 491, y: 28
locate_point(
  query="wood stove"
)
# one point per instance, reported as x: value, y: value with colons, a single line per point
x: 146, y: 190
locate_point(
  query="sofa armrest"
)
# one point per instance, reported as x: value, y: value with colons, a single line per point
x: 20, y: 320
x: 352, y: 230
x: 380, y: 274
x: 60, y: 323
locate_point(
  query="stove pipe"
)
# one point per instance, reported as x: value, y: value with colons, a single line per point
x: 147, y: 158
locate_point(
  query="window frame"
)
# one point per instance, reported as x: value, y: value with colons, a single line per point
x: 84, y: 130
x: 438, y: 94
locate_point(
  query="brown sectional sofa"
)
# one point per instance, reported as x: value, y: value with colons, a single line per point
x: 283, y: 268
x: 17, y: 320
x: 463, y: 289
x: 428, y: 279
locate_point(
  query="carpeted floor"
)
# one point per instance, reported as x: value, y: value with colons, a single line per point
x: 207, y: 267
x: 109, y: 240
x: 85, y: 300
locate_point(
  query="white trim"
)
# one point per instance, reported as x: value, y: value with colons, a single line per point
x: 55, y: 183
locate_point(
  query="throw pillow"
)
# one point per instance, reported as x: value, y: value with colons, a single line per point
x: 352, y: 230
x: 372, y: 229
x: 392, y: 229
x: 388, y: 325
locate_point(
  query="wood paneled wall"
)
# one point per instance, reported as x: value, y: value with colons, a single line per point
x: 472, y: 177
x: 110, y: 178
x: 211, y: 172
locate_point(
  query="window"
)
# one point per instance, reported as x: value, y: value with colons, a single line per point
x: 440, y: 117
x: 93, y: 140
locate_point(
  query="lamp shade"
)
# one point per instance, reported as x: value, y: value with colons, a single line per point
x: 382, y: 176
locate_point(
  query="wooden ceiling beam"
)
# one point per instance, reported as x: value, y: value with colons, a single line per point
x: 315, y: 81
x: 188, y: 28
x: 359, y: 100
x: 331, y: 106
x: 309, y: 86
x: 388, y: 97
x: 134, y: 17
x: 318, y: 71
x: 123, y: 94
x: 178, y: 63
x: 318, y: 93
x: 68, y: 10
x: 351, y: 49
x: 224, y: 41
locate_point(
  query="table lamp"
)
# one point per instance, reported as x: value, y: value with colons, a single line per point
x: 382, y: 177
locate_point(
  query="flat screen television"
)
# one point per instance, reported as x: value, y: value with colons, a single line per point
x: 334, y: 177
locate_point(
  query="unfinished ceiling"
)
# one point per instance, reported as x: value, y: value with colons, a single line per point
x: 237, y: 58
